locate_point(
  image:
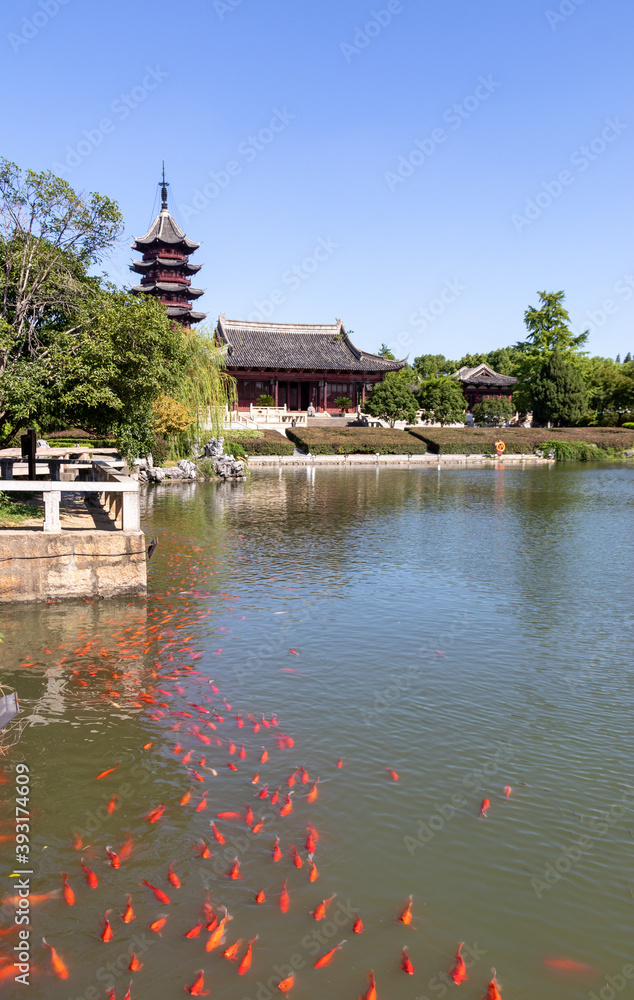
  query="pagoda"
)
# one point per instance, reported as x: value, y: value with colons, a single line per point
x: 165, y: 265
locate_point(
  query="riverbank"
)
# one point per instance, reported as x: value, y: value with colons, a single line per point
x: 429, y: 460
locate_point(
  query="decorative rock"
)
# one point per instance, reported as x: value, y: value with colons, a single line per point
x: 214, y: 448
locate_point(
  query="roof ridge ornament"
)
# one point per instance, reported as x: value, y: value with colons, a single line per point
x: 164, y: 186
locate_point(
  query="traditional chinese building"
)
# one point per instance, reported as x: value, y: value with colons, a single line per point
x: 482, y: 382
x: 165, y: 265
x: 298, y: 364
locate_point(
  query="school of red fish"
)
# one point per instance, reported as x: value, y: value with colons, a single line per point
x: 203, y: 736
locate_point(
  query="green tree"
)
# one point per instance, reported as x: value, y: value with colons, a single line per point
x: 443, y: 400
x: 392, y: 400
x: 493, y: 412
x: 558, y: 392
x: 434, y: 364
x: 386, y: 353
x: 611, y: 388
x: 343, y: 403
x: 548, y: 331
x: 265, y: 400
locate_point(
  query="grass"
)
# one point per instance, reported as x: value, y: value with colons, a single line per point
x: 356, y: 441
x: 574, y: 443
x: 14, y: 512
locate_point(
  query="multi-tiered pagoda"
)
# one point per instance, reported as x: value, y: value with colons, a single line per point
x: 165, y: 265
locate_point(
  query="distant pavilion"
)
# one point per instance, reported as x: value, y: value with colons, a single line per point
x: 298, y: 364
x: 482, y: 382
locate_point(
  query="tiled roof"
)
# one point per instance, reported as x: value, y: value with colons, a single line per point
x: 141, y: 266
x: 170, y: 286
x: 292, y: 346
x: 483, y: 375
x: 164, y: 230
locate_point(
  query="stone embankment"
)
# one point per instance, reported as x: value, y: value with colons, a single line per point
x: 223, y: 466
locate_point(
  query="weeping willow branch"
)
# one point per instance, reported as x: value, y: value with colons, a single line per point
x: 207, y: 390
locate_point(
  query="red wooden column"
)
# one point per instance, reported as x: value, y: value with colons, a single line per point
x: 275, y: 380
x: 325, y: 396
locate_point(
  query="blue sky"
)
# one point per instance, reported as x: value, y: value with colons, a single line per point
x: 418, y: 169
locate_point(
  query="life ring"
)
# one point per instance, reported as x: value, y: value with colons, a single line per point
x: 500, y: 447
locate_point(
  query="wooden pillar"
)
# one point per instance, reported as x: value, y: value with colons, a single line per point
x: 275, y: 397
x: 325, y: 396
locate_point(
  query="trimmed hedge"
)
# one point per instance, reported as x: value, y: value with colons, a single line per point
x: 524, y: 440
x: 356, y: 441
x: 258, y: 443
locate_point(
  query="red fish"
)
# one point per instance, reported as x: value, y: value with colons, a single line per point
x: 259, y: 826
x: 292, y: 778
x: 297, y: 861
x: 248, y: 816
x: 370, y: 993
x: 484, y: 806
x: 493, y: 992
x: 203, y: 803
x: 160, y: 895
x: 406, y: 916
x: 232, y: 767
x: 186, y: 797
x: 312, y: 795
x: 128, y: 913
x: 265, y: 791
x: 569, y: 965
x: 218, y: 933
x: 127, y: 994
x: 91, y: 878
x: 357, y: 926
x: 112, y: 805
x: 115, y: 860
x: 286, y: 984
x: 194, y: 932
x: 155, y: 814
x: 126, y: 850
x: 242, y: 752
x: 172, y: 877
x: 276, y: 853
x: 234, y: 871
x: 275, y: 796
x: 311, y: 846
x: 340, y: 762
x: 507, y: 791
x: 196, y: 989
x: 320, y: 910
x: 284, y: 899
x: 77, y: 843
x: 264, y: 756
x: 260, y: 896
x: 109, y: 771
x: 135, y: 965
x: 229, y: 815
x: 69, y: 895
x: 158, y: 924
x: 255, y: 778
x: 314, y: 874
x: 328, y: 957
x: 59, y: 968
x: 245, y: 964
x: 288, y: 805
x: 216, y: 834
x: 459, y: 971
x: 406, y: 964
x: 106, y: 934
x: 203, y: 850
x: 393, y: 775
x: 232, y: 951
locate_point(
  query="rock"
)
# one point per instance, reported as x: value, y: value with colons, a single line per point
x: 41, y: 443
x: 629, y: 453
x: 214, y: 448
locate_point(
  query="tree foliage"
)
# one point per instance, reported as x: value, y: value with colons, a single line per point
x: 559, y: 392
x: 392, y: 400
x: 443, y: 400
x: 385, y: 352
x: 494, y: 411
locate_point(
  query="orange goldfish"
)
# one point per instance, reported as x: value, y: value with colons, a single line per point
x: 232, y: 951
x: 216, y: 833
x: 288, y: 806
x: 312, y: 795
x: 234, y: 872
x: 218, y: 933
x: 160, y: 895
x: 370, y: 993
x: 255, y: 778
x: 115, y: 860
x: 484, y: 806
x: 393, y: 775
x: 297, y: 861
x: 569, y: 965
x: 284, y: 899
x: 493, y: 992
x: 172, y: 877
x: 275, y: 796
x: 112, y: 805
x: 135, y: 965
x: 340, y: 762
x: 320, y: 910
x: 196, y: 989
x: 328, y: 957
x: 194, y: 931
x: 69, y: 895
x: 59, y: 967
x: 357, y: 926
x: 507, y: 791
x: 203, y: 803
x: 109, y: 771
x: 276, y: 853
x: 91, y: 878
x: 245, y: 964
x: 286, y: 984
x: 264, y: 756
x: 314, y: 874
x: 229, y: 815
x: 290, y: 781
x: 248, y: 816
x: 260, y: 896
x: 259, y: 826
x: 128, y: 913
x: 186, y: 797
x: 406, y: 916
x: 106, y: 934
x: 126, y: 850
x: 406, y: 964
x: 155, y: 814
x: 264, y: 792
x: 459, y: 971
x: 158, y: 924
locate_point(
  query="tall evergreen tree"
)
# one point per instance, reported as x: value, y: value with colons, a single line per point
x: 558, y: 392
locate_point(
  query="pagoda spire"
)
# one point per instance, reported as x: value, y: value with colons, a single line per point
x: 165, y: 265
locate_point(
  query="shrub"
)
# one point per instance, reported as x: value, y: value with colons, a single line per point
x: 343, y: 403
x: 493, y: 412
x: 519, y: 440
x: 628, y: 425
x: 265, y: 400
x: 355, y: 441
x: 160, y: 449
x: 391, y: 400
x: 257, y: 443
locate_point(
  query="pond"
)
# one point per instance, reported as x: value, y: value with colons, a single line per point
x: 468, y: 630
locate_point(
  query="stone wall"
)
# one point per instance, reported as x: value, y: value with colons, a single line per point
x: 35, y: 566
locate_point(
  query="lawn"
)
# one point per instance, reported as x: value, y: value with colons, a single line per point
x: 356, y: 441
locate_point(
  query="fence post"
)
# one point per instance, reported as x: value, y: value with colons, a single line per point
x: 131, y: 514
x: 51, y: 511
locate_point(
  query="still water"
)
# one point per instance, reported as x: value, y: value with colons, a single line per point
x: 470, y: 630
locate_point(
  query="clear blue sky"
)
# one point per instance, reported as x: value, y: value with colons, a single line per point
x: 315, y: 115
